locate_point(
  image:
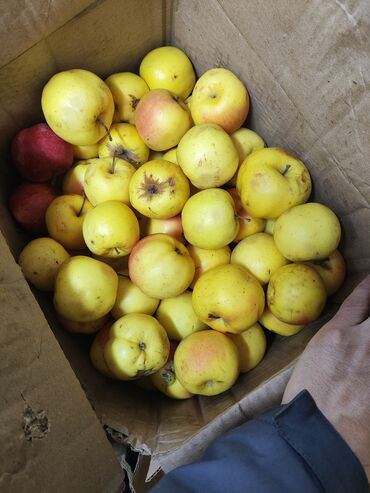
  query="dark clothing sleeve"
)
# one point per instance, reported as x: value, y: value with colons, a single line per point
x: 292, y: 449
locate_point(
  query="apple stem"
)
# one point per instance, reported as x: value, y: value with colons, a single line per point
x: 105, y: 128
x: 82, y: 206
x: 286, y: 169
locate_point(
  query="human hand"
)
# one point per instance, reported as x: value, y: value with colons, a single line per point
x: 335, y: 369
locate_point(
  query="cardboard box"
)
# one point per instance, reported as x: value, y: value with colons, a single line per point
x: 306, y: 67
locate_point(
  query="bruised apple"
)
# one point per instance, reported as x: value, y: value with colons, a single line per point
x: 207, y: 362
x: 137, y: 346
x: 85, y: 289
x: 251, y: 344
x: 159, y: 189
x: 228, y: 298
x: 161, y: 266
x: 296, y: 294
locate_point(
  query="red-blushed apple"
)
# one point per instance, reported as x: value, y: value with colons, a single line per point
x: 332, y: 271
x: 39, y: 154
x: 161, y: 119
x: 161, y: 266
x: 248, y: 225
x: 28, y: 204
x: 171, y: 226
x: 207, y: 362
x: 74, y: 180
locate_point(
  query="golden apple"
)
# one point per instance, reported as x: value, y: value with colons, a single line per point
x: 207, y: 362
x: 83, y: 327
x: 246, y: 141
x: 270, y: 226
x: 159, y: 189
x: 207, y: 259
x: 162, y: 118
x: 258, y: 253
x: 108, y: 178
x: 74, y: 180
x: 124, y: 142
x: 248, y: 225
x: 220, y: 97
x: 178, y: 317
x: 251, y: 344
x: 207, y: 156
x: 228, y: 298
x: 273, y: 324
x: 137, y: 346
x: 64, y: 219
x: 307, y: 232
x: 130, y: 299
x: 40, y: 261
x: 296, y: 294
x: 85, y: 289
x: 209, y: 219
x: 85, y: 152
x: 127, y: 89
x: 97, y: 351
x: 78, y: 106
x: 270, y: 181
x: 171, y: 155
x: 161, y: 266
x: 168, y: 67
x: 332, y: 271
x: 111, y: 229
x: 171, y: 226
x: 119, y: 264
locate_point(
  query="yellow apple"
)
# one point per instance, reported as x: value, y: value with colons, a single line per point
x: 270, y: 181
x: 207, y: 362
x: 168, y: 67
x: 171, y: 155
x: 153, y: 155
x: 207, y: 259
x: 137, y: 346
x: 130, y: 299
x: 246, y: 141
x: 307, y: 232
x: 85, y: 152
x: 273, y: 324
x: 124, y: 142
x: 161, y: 266
x: 332, y: 271
x: 64, y: 219
x: 270, y: 226
x: 119, y: 264
x: 162, y: 118
x: 178, y: 317
x: 258, y: 253
x: 159, y: 189
x: 296, y: 294
x: 97, y: 351
x: 111, y: 229
x: 220, y: 97
x: 40, y: 261
x: 83, y: 327
x: 228, y: 298
x: 251, y: 344
x: 108, y: 178
x: 78, y: 106
x: 248, y: 225
x: 74, y: 180
x: 127, y: 89
x: 166, y: 381
x: 85, y: 289
x: 209, y: 219
x: 207, y: 156
x: 171, y: 226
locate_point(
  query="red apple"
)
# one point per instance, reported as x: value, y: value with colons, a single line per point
x: 39, y: 154
x: 28, y: 204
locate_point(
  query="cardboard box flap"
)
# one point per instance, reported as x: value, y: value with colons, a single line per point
x: 47, y: 425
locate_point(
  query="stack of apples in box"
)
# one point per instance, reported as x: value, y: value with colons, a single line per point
x: 166, y: 227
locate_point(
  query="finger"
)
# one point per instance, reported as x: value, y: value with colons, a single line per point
x: 355, y: 308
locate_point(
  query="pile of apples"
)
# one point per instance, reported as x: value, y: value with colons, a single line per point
x: 166, y: 227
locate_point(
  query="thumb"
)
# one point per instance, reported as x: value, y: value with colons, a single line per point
x: 356, y: 307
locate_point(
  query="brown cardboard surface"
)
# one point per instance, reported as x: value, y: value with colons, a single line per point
x: 306, y: 66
